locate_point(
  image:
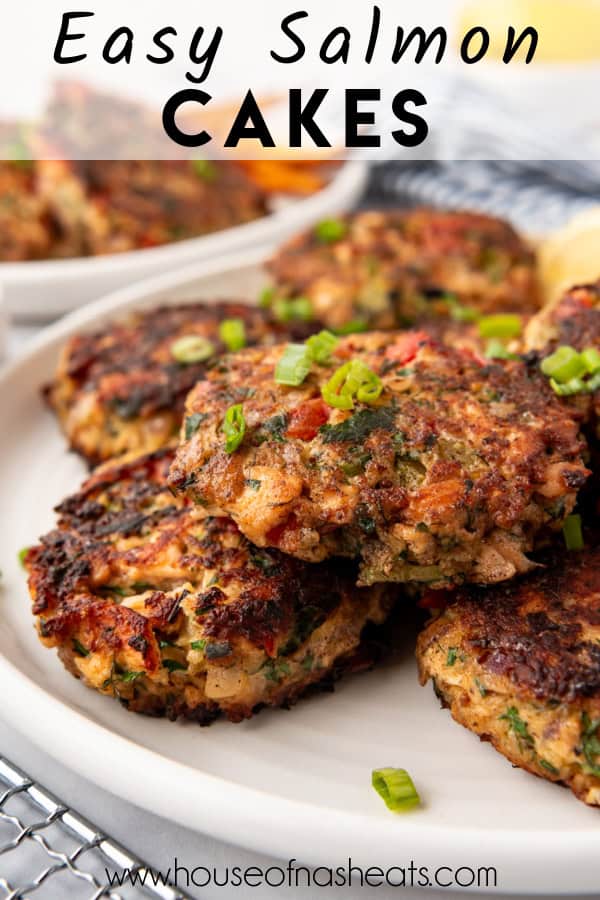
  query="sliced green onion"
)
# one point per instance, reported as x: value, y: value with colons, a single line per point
x: 570, y: 388
x: 266, y: 297
x: 458, y: 312
x: 594, y: 383
x: 352, y: 380
x: 354, y: 326
x: 192, y: 348
x: 500, y: 326
x: 294, y: 365
x: 396, y: 789
x: 563, y: 365
x: 299, y: 308
x: 205, y: 169
x: 234, y: 427
x: 572, y: 533
x: 321, y: 346
x: 233, y: 334
x: 22, y: 555
x: 591, y: 360
x: 198, y: 645
x: 330, y: 230
x: 495, y: 349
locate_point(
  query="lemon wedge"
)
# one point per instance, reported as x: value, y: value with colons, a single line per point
x: 571, y: 255
x: 569, y: 30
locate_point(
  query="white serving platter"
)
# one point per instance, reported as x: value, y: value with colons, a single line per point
x: 291, y: 784
x: 46, y: 289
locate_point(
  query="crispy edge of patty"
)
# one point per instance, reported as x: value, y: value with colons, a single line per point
x: 519, y: 665
x: 118, y: 389
x: 308, y: 505
x: 174, y: 613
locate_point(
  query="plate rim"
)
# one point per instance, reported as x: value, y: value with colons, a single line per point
x: 264, y: 822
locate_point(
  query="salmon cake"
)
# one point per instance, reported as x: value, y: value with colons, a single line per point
x: 174, y: 613
x: 572, y: 324
x: 121, y: 388
x: 519, y: 665
x: 26, y: 228
x: 382, y: 269
x: 429, y: 463
x: 112, y: 206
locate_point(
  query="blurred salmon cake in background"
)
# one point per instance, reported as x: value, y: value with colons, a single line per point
x: 382, y: 269
x: 428, y: 463
x: 174, y: 613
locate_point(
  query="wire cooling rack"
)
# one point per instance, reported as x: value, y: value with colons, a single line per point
x: 49, y: 852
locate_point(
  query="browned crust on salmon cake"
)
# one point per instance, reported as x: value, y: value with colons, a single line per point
x: 519, y: 664
x: 119, y: 388
x: 452, y: 474
x: 395, y: 268
x: 174, y: 613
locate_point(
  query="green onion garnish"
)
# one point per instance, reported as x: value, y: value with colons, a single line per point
x: 198, y: 645
x: 233, y: 334
x: 330, y: 230
x: 234, y: 427
x: 500, y: 326
x: 396, y: 788
x: 354, y: 326
x: 292, y: 310
x: 266, y: 297
x: 205, y: 169
x: 321, y: 346
x: 563, y: 365
x: 22, y: 555
x: 352, y: 380
x: 458, y: 312
x: 495, y: 349
x: 192, y: 348
x: 569, y: 388
x: 294, y: 365
x: 568, y: 370
x: 572, y: 533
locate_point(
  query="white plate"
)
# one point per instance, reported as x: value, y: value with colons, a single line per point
x: 46, y: 289
x: 291, y: 784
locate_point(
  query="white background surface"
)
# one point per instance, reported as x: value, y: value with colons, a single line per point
x: 156, y: 840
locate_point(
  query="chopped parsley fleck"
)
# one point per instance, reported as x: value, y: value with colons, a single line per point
x: 130, y: 676
x: 519, y: 727
x: 591, y: 744
x: 263, y: 562
x: 193, y: 423
x: 198, y: 645
x: 452, y: 656
x: 253, y: 483
x: 79, y: 648
x: 480, y: 687
x: 172, y: 665
x: 359, y: 426
x: 273, y: 429
x: 274, y: 670
x: 549, y: 767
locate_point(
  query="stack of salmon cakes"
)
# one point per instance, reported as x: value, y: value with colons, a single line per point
x: 401, y: 421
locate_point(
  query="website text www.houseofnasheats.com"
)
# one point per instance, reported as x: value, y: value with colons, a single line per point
x: 294, y: 875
